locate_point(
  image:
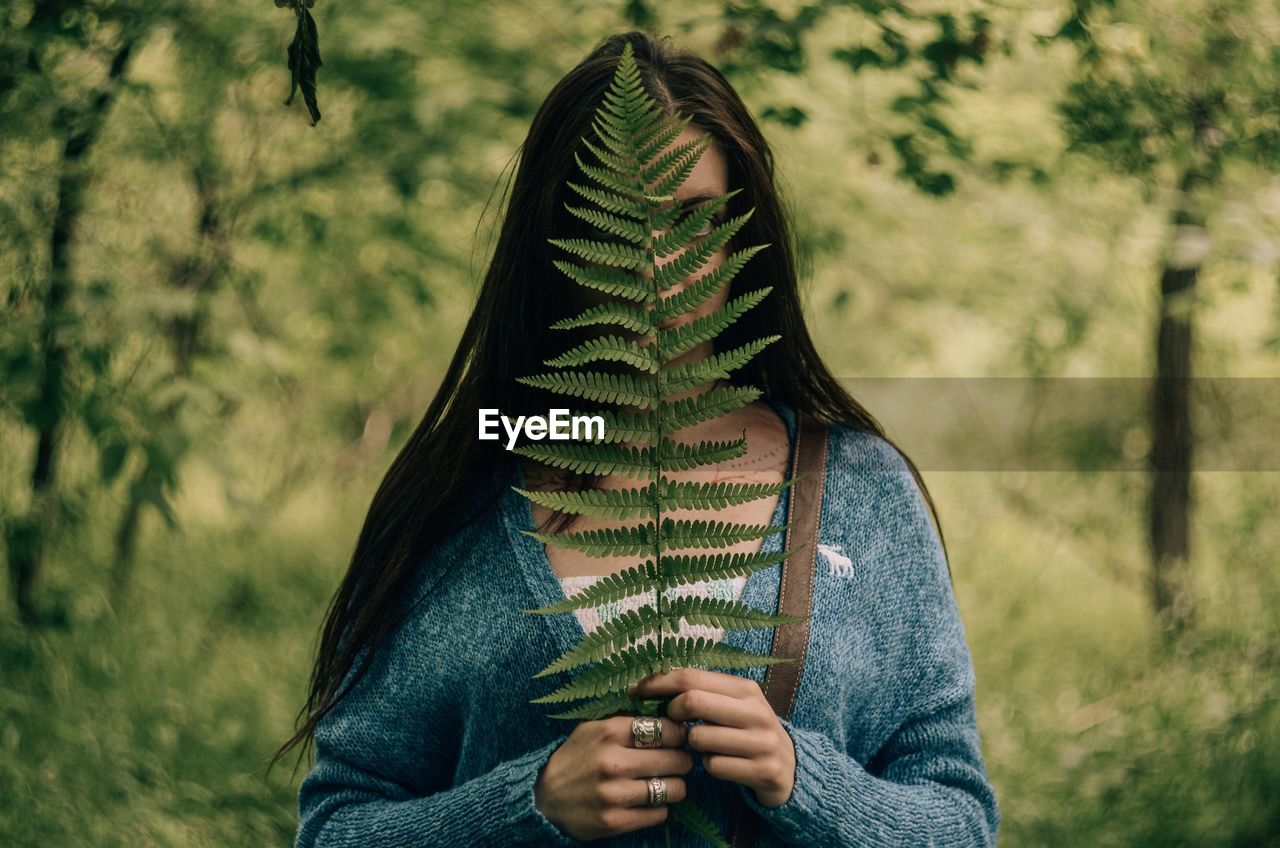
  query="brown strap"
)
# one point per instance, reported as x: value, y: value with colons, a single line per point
x: 795, y: 588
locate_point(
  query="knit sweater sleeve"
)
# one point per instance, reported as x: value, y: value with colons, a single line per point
x: 927, y: 784
x: 376, y: 754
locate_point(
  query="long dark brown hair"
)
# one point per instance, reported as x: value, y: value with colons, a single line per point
x: 444, y: 477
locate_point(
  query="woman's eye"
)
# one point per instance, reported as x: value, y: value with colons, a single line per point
x: 705, y: 229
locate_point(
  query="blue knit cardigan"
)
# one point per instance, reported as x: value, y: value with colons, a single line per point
x: 438, y: 745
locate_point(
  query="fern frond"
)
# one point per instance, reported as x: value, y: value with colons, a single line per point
x: 688, y: 568
x: 717, y: 495
x: 624, y: 314
x: 725, y: 613
x: 593, y: 385
x: 710, y: 534
x: 612, y: 674
x: 598, y: 459
x: 607, y: 178
x: 633, y: 626
x: 616, y: 672
x: 681, y: 456
x: 607, y: 542
x: 614, y: 155
x: 721, y: 400
x: 613, y: 202
x: 662, y: 133
x: 687, y: 814
x: 598, y: 503
x: 623, y: 630
x: 604, y: 252
x: 632, y: 231
x: 609, y: 349
x: 673, y: 157
x: 689, y: 298
x: 632, y: 196
x: 691, y: 260
x: 674, y: 239
x: 607, y: 705
x: 682, y: 167
x: 636, y: 580
x: 679, y: 340
x: 613, y: 281
x: 685, y: 377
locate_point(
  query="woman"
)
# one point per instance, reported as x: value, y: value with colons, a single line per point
x: 420, y: 697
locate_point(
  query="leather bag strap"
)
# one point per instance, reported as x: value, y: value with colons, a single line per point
x: 795, y: 588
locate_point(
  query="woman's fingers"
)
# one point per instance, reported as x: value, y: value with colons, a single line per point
x: 674, y: 733
x: 727, y: 710
x: 731, y: 741
x: 632, y: 763
x: 636, y: 792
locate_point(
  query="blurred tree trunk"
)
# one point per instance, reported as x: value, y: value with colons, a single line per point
x: 197, y: 272
x: 1172, y: 437
x: 82, y: 128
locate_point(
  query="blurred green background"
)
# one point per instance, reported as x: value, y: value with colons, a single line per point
x: 219, y: 322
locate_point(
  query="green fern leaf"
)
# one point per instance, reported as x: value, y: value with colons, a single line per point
x: 612, y: 674
x: 622, y: 631
x: 724, y: 613
x: 607, y: 178
x: 680, y: 456
x: 598, y: 503
x: 688, y: 815
x: 663, y: 165
x: 607, y: 705
x: 702, y: 288
x: 593, y: 385
x: 591, y: 458
x: 685, y: 412
x: 674, y: 239
x: 684, y: 377
x: 682, y: 167
x: 610, y: 349
x: 632, y: 198
x: 678, y: 340
x: 711, y: 534
x: 685, y: 568
x: 691, y: 260
x: 650, y: 143
x: 716, y: 495
x: 613, y: 202
x: 618, y: 671
x: 608, y: 542
x: 636, y: 580
x: 634, y: 427
x: 613, y: 155
x: 604, y: 252
x: 630, y: 317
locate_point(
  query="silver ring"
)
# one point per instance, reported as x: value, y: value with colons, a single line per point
x: 657, y: 791
x: 646, y: 732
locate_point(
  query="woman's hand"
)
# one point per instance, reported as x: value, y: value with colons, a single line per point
x: 742, y: 739
x: 596, y: 783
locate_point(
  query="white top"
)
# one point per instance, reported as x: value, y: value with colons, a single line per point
x: 593, y: 617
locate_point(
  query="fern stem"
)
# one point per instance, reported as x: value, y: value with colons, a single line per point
x: 655, y: 427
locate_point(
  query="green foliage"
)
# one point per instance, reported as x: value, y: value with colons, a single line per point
x: 1192, y: 87
x: 635, y: 199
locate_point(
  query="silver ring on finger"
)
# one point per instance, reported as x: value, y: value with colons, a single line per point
x: 646, y: 732
x: 657, y: 791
